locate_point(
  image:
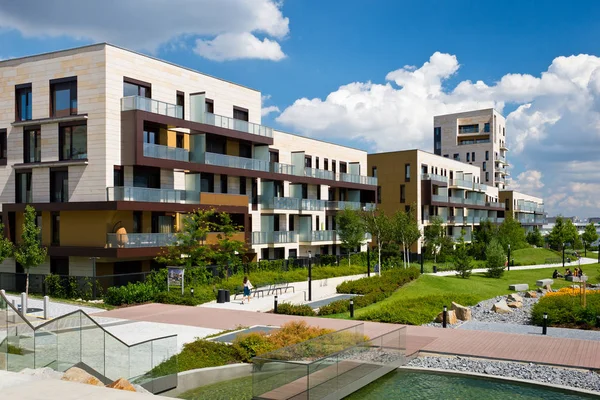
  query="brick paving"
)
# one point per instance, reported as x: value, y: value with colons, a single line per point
x: 497, y: 345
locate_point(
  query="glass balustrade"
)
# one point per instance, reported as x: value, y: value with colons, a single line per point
x: 274, y: 237
x: 237, y: 125
x: 129, y: 193
x: 285, y: 169
x: 439, y: 198
x: 137, y: 240
x: 166, y: 152
x: 318, y: 173
x: 364, y: 180
x: 223, y: 160
x: 313, y: 205
x: 434, y: 177
x: 280, y: 203
x: 152, y: 106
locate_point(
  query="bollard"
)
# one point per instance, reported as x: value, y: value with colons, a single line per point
x: 14, y: 303
x: 545, y: 324
x: 275, y: 305
x: 351, y: 308
x: 444, y: 317
x: 23, y: 303
x: 46, y: 306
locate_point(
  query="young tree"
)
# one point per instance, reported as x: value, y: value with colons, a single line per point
x: 462, y: 259
x: 228, y: 251
x: 433, y: 234
x: 511, y: 232
x: 351, y: 229
x: 446, y: 248
x: 494, y: 259
x: 29, y: 253
x: 589, y: 236
x: 378, y: 225
x: 535, y: 238
x: 405, y: 232
x: 557, y: 236
x: 482, y: 236
x: 572, y: 235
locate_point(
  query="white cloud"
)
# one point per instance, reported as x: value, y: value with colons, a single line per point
x: 268, y: 110
x: 235, y: 46
x: 554, y: 132
x: 148, y: 24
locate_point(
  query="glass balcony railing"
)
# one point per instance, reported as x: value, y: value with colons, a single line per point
x: 166, y: 152
x: 285, y: 169
x: 352, y: 205
x: 319, y: 236
x: 281, y: 203
x: 462, y: 183
x: 274, y: 237
x: 313, y: 205
x: 500, y: 159
x: 150, y: 105
x: 478, y: 141
x: 363, y: 180
x: 457, y: 219
x: 456, y: 200
x: 137, y: 240
x: 223, y: 160
x: 318, y: 173
x: 434, y: 177
x: 439, y: 198
x: 237, y: 125
x: 130, y: 193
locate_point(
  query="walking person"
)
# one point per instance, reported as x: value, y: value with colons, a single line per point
x: 247, y: 289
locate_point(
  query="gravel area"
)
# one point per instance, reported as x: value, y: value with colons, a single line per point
x: 576, y: 378
x: 483, y: 311
x: 378, y: 356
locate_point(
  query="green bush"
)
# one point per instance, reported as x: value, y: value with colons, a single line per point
x: 173, y: 297
x: 291, y: 309
x: 495, y: 258
x: 133, y: 293
x: 69, y: 287
x: 567, y: 311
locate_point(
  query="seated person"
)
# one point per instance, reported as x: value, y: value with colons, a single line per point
x: 568, y: 272
x: 575, y: 272
x: 556, y: 274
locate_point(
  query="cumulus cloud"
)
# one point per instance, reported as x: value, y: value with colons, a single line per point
x: 266, y: 110
x: 553, y: 132
x: 224, y: 29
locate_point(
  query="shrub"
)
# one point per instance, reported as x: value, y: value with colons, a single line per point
x: 252, y: 344
x: 173, y: 297
x: 495, y: 258
x: 133, y: 293
x: 462, y: 261
x: 566, y: 310
x: 69, y: 287
x: 291, y: 309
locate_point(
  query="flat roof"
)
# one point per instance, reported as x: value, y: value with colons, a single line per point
x: 468, y: 112
x: 104, y: 44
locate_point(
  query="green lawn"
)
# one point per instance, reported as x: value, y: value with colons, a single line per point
x: 533, y: 256
x: 421, y: 300
x: 235, y: 389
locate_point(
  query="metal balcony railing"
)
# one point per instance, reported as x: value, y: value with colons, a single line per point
x: 318, y: 173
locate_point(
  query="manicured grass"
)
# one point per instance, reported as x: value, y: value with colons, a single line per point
x: 419, y: 301
x: 533, y: 256
x: 235, y: 389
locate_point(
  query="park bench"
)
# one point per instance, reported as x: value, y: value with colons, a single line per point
x: 257, y: 291
x: 281, y: 286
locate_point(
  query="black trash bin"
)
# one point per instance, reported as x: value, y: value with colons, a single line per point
x: 434, y: 269
x: 222, y: 296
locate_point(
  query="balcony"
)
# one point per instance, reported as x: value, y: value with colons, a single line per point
x: 274, y: 237
x: 152, y: 106
x: 351, y: 178
x: 223, y: 160
x: 237, y: 125
x: 439, y: 198
x: 434, y: 177
x: 495, y: 204
x: 129, y: 193
x: 503, y: 147
x: 351, y: 205
x: 500, y: 160
x: 318, y: 236
x: 318, y: 173
x: 285, y: 169
x: 456, y: 219
x: 166, y: 152
x: 312, y: 205
x: 461, y: 183
x: 139, y: 240
x: 478, y: 141
x: 281, y: 203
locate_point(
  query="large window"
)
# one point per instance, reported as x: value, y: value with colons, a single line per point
x: 23, y: 102
x: 55, y: 228
x: 73, y: 142
x: 210, y: 106
x: 3, y: 145
x: 181, y: 102
x: 32, y: 146
x: 378, y: 194
x: 23, y: 192
x: 473, y: 128
x: 486, y: 127
x: 132, y: 87
x: 240, y: 113
x: 59, y: 186
x: 63, y: 97
x: 406, y: 172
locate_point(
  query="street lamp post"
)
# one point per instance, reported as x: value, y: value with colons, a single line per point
x: 369, y: 260
x: 563, y: 255
x: 509, y: 256
x: 309, y: 276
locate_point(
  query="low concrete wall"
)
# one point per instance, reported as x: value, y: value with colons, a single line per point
x: 195, y: 378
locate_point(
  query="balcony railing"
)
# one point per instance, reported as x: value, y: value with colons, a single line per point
x: 166, y: 152
x: 318, y: 236
x: 313, y: 205
x: 434, y: 177
x: 237, y: 125
x: 494, y: 204
x: 285, y: 169
x: 439, y: 198
x: 500, y: 159
x: 137, y: 240
x: 150, y: 105
x: 129, y: 193
x: 462, y: 183
x: 274, y: 237
x: 223, y: 160
x: 318, y: 173
x: 478, y: 141
x: 457, y: 219
x: 352, y: 205
x: 281, y: 203
x: 363, y: 180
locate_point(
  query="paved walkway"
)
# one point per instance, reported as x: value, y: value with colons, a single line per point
x: 530, y: 330
x: 572, y: 264
x: 497, y: 345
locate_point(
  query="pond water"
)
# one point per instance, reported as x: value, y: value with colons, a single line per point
x: 429, y: 385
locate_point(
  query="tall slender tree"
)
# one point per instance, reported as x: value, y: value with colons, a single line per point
x: 351, y: 229
x: 589, y: 236
x: 405, y: 232
x: 29, y: 252
x: 433, y: 234
x: 378, y: 225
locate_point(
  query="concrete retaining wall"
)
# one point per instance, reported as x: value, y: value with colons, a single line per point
x: 189, y: 380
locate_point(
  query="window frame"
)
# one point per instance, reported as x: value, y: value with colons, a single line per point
x: 407, y: 172
x: 63, y: 173
x: 61, y: 140
x: 3, y: 146
x: 28, y: 189
x: 402, y: 193
x: 27, y: 88
x: 70, y: 84
x: 37, y: 157
x: 241, y: 112
x: 140, y: 85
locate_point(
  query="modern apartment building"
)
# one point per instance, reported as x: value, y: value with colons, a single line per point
x: 526, y: 209
x: 111, y: 147
x: 434, y: 186
x: 477, y: 138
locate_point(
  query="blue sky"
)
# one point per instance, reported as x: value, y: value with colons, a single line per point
x: 309, y: 49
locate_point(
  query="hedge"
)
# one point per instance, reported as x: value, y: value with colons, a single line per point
x: 567, y: 311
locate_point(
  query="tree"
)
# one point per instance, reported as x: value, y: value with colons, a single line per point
x: 511, y: 232
x: 462, y: 259
x: 556, y: 237
x: 405, y: 232
x: 494, y: 259
x: 589, y: 236
x: 351, y: 229
x: 378, y: 225
x: 482, y: 236
x: 433, y: 234
x: 535, y: 238
x: 228, y: 250
x: 572, y: 235
x: 29, y: 253
x: 446, y: 248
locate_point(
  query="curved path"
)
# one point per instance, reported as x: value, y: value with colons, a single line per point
x: 572, y: 264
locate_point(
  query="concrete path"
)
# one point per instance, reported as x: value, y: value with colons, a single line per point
x: 572, y: 264
x: 530, y: 330
x: 57, y: 308
x: 473, y: 343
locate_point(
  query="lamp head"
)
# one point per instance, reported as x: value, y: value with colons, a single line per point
x: 309, y: 254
